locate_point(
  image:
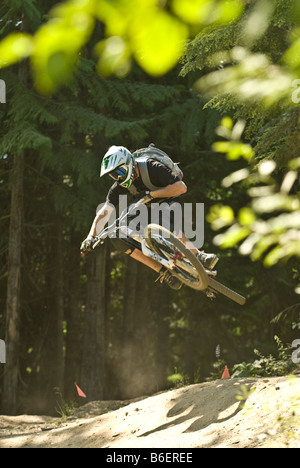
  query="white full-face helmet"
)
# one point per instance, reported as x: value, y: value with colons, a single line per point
x: 119, y: 164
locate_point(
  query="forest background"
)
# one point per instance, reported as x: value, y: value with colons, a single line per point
x: 102, y: 321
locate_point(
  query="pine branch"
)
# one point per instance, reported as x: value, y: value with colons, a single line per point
x: 24, y: 136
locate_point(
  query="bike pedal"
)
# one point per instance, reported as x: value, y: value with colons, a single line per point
x: 212, y: 273
x: 210, y: 294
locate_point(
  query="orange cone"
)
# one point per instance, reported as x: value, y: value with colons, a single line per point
x: 226, y: 374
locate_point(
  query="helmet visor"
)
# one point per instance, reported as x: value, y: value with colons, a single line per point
x: 120, y: 174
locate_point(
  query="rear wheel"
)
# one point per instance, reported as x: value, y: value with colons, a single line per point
x: 187, y: 267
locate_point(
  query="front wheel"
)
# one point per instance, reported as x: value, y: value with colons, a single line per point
x: 222, y: 289
x: 187, y: 267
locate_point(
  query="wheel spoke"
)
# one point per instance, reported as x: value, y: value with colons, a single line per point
x: 170, y: 252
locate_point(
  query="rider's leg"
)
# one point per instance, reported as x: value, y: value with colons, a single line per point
x: 136, y: 254
x: 140, y: 257
x: 209, y: 261
x: 164, y: 274
x: 187, y: 243
x: 122, y: 246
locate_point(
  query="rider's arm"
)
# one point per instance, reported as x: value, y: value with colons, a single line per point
x: 172, y: 190
x: 101, y: 219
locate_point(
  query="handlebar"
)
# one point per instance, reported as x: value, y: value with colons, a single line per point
x: 99, y: 239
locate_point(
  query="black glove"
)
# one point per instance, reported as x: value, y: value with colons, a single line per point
x: 145, y: 194
x: 87, y: 244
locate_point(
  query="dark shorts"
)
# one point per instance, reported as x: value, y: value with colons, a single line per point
x: 163, y: 216
x: 121, y: 245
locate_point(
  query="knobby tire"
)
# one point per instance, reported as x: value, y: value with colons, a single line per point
x: 202, y: 282
x: 205, y: 281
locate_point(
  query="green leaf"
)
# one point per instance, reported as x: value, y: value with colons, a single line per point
x: 208, y: 11
x: 263, y: 245
x: 292, y: 55
x: 246, y: 216
x: 158, y: 42
x: 274, y: 256
x: 227, y: 123
x: 232, y: 237
x: 278, y: 201
x: 114, y: 57
x: 14, y: 48
x: 193, y: 12
x: 220, y: 216
x: 234, y: 150
x: 229, y: 11
x: 57, y: 45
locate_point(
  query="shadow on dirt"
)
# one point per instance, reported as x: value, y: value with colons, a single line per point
x: 206, y: 404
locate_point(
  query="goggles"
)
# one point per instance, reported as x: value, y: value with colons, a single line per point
x: 119, y: 174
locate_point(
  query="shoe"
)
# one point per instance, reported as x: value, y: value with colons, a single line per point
x: 209, y: 261
x: 172, y: 281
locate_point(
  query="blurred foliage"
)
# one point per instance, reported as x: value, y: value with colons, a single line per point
x: 269, y: 226
x: 249, y: 71
x: 245, y: 70
x: 151, y: 32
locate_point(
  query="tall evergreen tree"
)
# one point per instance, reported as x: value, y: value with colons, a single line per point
x: 13, y: 298
x: 63, y: 138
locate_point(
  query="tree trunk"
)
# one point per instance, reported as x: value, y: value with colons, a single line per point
x: 163, y: 301
x: 9, y: 398
x: 73, y: 336
x: 93, y: 359
x: 191, y: 342
x: 127, y: 352
x: 12, y: 334
x: 52, y: 366
x: 142, y: 376
x: 136, y: 361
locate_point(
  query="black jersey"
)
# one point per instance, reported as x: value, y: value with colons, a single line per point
x: 159, y: 174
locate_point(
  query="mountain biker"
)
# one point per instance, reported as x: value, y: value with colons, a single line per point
x: 120, y: 164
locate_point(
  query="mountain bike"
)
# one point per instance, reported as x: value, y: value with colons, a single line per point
x: 163, y: 246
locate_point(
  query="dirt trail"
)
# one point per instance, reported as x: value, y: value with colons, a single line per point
x: 206, y: 415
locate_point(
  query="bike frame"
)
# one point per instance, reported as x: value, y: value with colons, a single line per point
x: 132, y: 238
x: 138, y: 241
